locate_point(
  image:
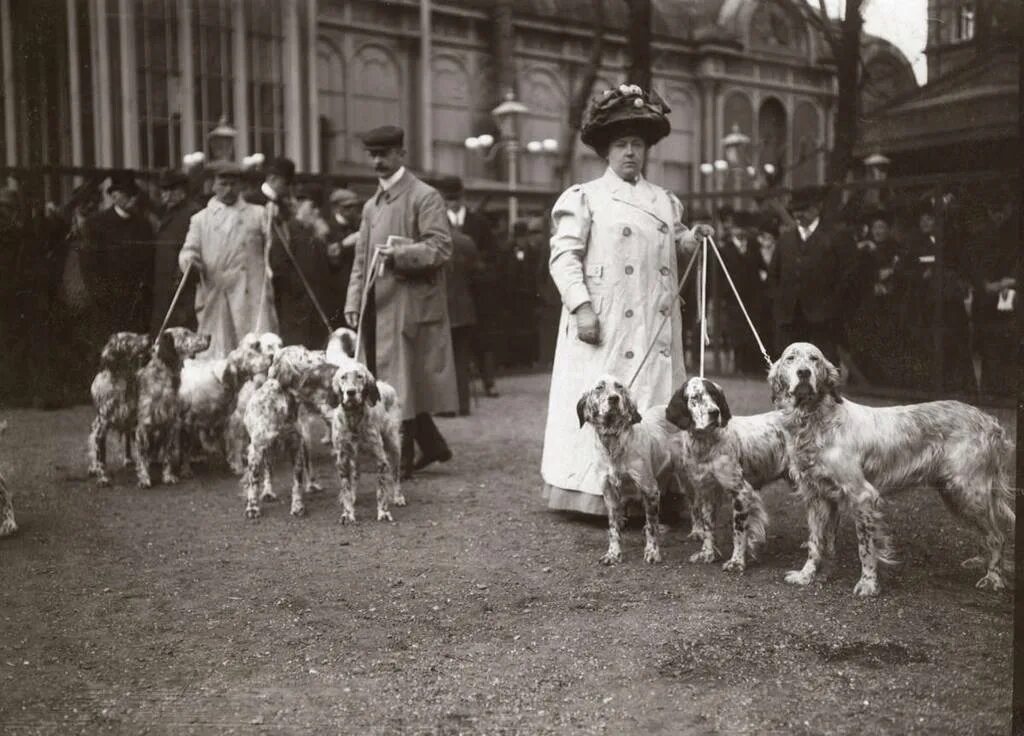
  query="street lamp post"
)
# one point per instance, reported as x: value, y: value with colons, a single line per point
x: 506, y: 114
x: 222, y: 141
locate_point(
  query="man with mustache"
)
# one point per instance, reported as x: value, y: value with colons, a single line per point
x: 397, y: 292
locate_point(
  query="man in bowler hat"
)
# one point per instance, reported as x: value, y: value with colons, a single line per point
x: 398, y: 290
x: 170, y: 234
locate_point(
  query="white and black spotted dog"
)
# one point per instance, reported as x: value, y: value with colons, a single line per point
x: 726, y: 457
x: 7, y: 524
x: 256, y: 353
x: 844, y: 454
x: 368, y: 415
x: 158, y: 425
x: 115, y: 395
x: 272, y: 420
x: 635, y: 459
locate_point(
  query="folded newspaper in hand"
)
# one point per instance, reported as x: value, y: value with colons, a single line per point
x: 392, y: 241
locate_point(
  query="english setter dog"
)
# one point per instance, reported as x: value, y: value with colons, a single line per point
x: 726, y: 456
x: 271, y: 419
x: 635, y: 460
x: 258, y: 353
x: 7, y: 525
x: 368, y: 415
x: 157, y: 429
x: 846, y: 454
x: 115, y: 396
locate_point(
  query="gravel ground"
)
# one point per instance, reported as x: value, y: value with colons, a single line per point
x: 477, y: 611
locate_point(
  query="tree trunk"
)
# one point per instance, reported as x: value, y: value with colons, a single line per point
x: 579, y: 102
x: 846, y: 125
x: 639, y: 42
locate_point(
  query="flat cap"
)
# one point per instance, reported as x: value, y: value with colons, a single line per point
x: 172, y: 179
x: 449, y: 186
x: 386, y: 136
x: 344, y: 196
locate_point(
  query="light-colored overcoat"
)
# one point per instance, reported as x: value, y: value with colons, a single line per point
x: 230, y: 242
x: 413, y: 342
x: 618, y: 246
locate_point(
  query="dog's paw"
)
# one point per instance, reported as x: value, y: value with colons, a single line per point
x: 973, y: 563
x: 652, y: 555
x: 8, y: 528
x: 252, y: 512
x: 398, y: 500
x: 169, y: 479
x: 799, y: 577
x: 992, y: 581
x: 383, y: 515
x: 103, y: 481
x: 237, y: 468
x: 314, y: 487
x: 298, y: 509
x: 94, y: 471
x: 734, y: 565
x: 705, y: 556
x: 348, y: 517
x: 187, y: 474
x: 611, y: 558
x: 268, y: 497
x: 866, y: 587
x: 145, y: 483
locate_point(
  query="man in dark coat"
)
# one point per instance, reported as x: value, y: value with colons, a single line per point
x: 809, y: 272
x: 178, y: 209
x: 484, y: 283
x: 765, y: 255
x: 738, y: 252
x: 342, y: 234
x: 299, y: 320
x: 116, y: 260
x: 462, y: 311
x: 997, y: 296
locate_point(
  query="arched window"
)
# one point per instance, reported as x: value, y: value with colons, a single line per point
x: 376, y: 93
x: 544, y: 96
x: 772, y: 137
x: 452, y: 114
x: 806, y: 149
x: 331, y: 79
x: 672, y: 160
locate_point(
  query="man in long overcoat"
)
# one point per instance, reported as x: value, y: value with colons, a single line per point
x: 226, y: 246
x: 462, y: 311
x: 342, y: 235
x: 404, y: 242
x: 170, y: 235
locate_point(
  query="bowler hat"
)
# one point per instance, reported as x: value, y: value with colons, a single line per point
x: 283, y: 167
x: 343, y: 197
x: 806, y: 197
x: 123, y: 181
x: 172, y: 179
x: 625, y: 110
x: 450, y: 186
x: 384, y: 137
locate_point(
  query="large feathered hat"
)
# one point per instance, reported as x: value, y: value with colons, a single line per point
x: 622, y: 110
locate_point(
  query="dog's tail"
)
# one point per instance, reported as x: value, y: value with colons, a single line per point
x: 757, y: 523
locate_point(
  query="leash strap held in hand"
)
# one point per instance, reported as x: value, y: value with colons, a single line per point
x: 174, y: 300
x: 668, y: 315
x: 371, y: 277
x: 703, y: 303
x: 302, y: 276
x: 750, y: 322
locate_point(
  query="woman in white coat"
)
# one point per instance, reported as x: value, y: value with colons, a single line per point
x: 615, y: 258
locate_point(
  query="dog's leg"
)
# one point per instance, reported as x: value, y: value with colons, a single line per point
x: 749, y: 519
x: 983, y: 509
x: 254, y: 472
x: 872, y: 540
x: 345, y: 450
x: 300, y: 460
x: 127, y: 443
x: 616, y: 519
x: 704, y: 513
x: 393, y: 450
x: 651, y: 496
x: 7, y: 525
x: 142, y: 449
x: 98, y: 450
x: 385, y: 474
x: 171, y: 454
x: 822, y: 514
x: 305, y: 426
x: 186, y: 446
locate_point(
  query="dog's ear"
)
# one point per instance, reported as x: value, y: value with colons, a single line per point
x: 372, y: 392
x: 165, y: 350
x: 581, y: 408
x: 230, y: 377
x: 718, y: 396
x: 678, y: 410
x: 634, y: 414
x: 831, y: 380
x: 348, y: 343
x: 776, y: 382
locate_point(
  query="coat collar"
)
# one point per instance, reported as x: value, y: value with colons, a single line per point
x: 397, y: 189
x: 642, y: 195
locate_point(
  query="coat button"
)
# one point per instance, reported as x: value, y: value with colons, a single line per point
x: 629, y: 312
x: 663, y: 227
x: 664, y: 271
x: 627, y: 232
x: 666, y: 352
x: 629, y: 270
x: 664, y: 311
x: 629, y: 354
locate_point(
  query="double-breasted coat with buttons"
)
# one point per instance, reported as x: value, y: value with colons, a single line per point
x: 413, y: 347
x: 616, y: 245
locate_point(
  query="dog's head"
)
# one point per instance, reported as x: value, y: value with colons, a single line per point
x: 166, y: 351
x: 187, y: 343
x: 288, y: 365
x: 802, y: 377
x: 244, y: 363
x: 608, y: 405
x: 698, y: 406
x: 342, y: 342
x: 355, y: 386
x: 125, y: 351
x: 316, y: 387
x: 270, y: 344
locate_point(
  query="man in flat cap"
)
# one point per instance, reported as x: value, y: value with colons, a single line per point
x: 398, y: 289
x: 810, y: 269
x: 342, y: 235
x: 226, y: 246
x: 116, y: 260
x: 170, y: 235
